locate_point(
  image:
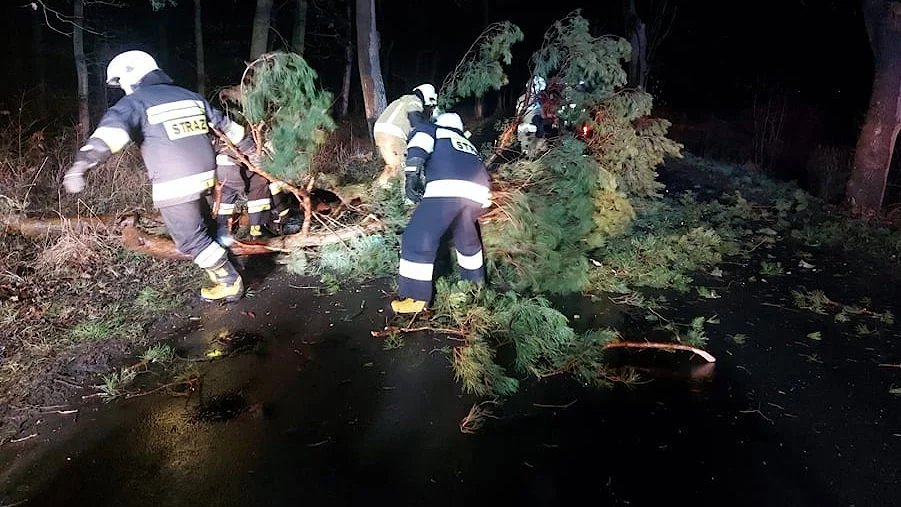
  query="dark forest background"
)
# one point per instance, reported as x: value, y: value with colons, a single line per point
x: 774, y: 83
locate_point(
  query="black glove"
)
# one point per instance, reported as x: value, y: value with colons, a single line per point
x: 413, y: 186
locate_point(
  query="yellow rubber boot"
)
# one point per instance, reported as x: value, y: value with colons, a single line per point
x: 227, y: 286
x: 408, y: 306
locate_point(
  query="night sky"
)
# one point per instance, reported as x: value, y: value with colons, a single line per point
x: 718, y: 57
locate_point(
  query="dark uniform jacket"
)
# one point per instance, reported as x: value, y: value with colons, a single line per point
x: 452, y: 165
x: 171, y: 124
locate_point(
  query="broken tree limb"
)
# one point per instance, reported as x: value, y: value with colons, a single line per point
x: 36, y: 227
x: 664, y: 346
x: 163, y: 247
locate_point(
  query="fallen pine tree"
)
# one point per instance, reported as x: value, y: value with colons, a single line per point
x: 128, y: 231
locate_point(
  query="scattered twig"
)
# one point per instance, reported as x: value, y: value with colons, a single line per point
x: 66, y: 383
x: 476, y: 416
x: 665, y: 346
x: 389, y: 330
x: 542, y: 405
x: 17, y: 440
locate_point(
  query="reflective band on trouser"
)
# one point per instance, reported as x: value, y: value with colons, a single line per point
x: 416, y: 270
x: 471, y: 262
x: 226, y: 209
x: 258, y: 205
x: 115, y: 138
x: 415, y: 280
x: 211, y: 256
x: 459, y: 188
x: 390, y: 129
x: 184, y: 187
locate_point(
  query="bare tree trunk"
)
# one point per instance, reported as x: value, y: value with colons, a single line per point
x: 162, y: 37
x: 368, y: 62
x: 345, y: 84
x: 81, y: 70
x: 873, y: 157
x: 638, y: 39
x: 37, y: 38
x: 298, y: 35
x: 259, y: 39
x: 198, y: 47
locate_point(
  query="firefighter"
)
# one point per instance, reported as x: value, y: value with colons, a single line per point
x: 457, y: 189
x: 393, y: 127
x: 286, y: 218
x: 237, y: 179
x: 172, y: 126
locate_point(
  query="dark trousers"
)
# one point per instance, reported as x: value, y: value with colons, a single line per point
x: 422, y: 237
x: 188, y: 225
x: 237, y: 180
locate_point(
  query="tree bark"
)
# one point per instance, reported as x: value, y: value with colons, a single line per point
x: 872, y: 159
x: 163, y: 247
x: 37, y: 38
x: 298, y: 35
x: 162, y: 37
x: 638, y: 39
x: 259, y: 39
x: 198, y: 47
x: 345, y: 83
x: 368, y: 62
x: 81, y: 70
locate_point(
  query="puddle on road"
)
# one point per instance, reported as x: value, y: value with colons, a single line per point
x: 220, y: 407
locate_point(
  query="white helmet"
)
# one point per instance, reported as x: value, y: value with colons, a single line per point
x: 128, y: 68
x: 450, y: 120
x: 537, y: 85
x: 429, y: 95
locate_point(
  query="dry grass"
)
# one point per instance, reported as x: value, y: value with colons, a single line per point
x: 71, y: 304
x: 347, y: 157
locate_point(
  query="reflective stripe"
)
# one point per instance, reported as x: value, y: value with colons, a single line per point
x: 415, y: 270
x: 258, y: 205
x: 457, y: 141
x: 174, y: 111
x: 411, y: 168
x: 234, y: 132
x: 226, y: 209
x: 183, y: 187
x: 210, y: 257
x: 459, y: 188
x: 224, y: 160
x: 422, y: 140
x: 115, y: 138
x: 473, y: 261
x: 275, y: 187
x: 389, y: 129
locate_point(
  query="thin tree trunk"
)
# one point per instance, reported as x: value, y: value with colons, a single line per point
x: 81, y: 70
x: 345, y: 84
x: 298, y: 35
x: 259, y: 39
x: 638, y: 39
x: 37, y: 38
x: 198, y: 46
x: 162, y: 37
x: 368, y: 62
x: 873, y: 157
